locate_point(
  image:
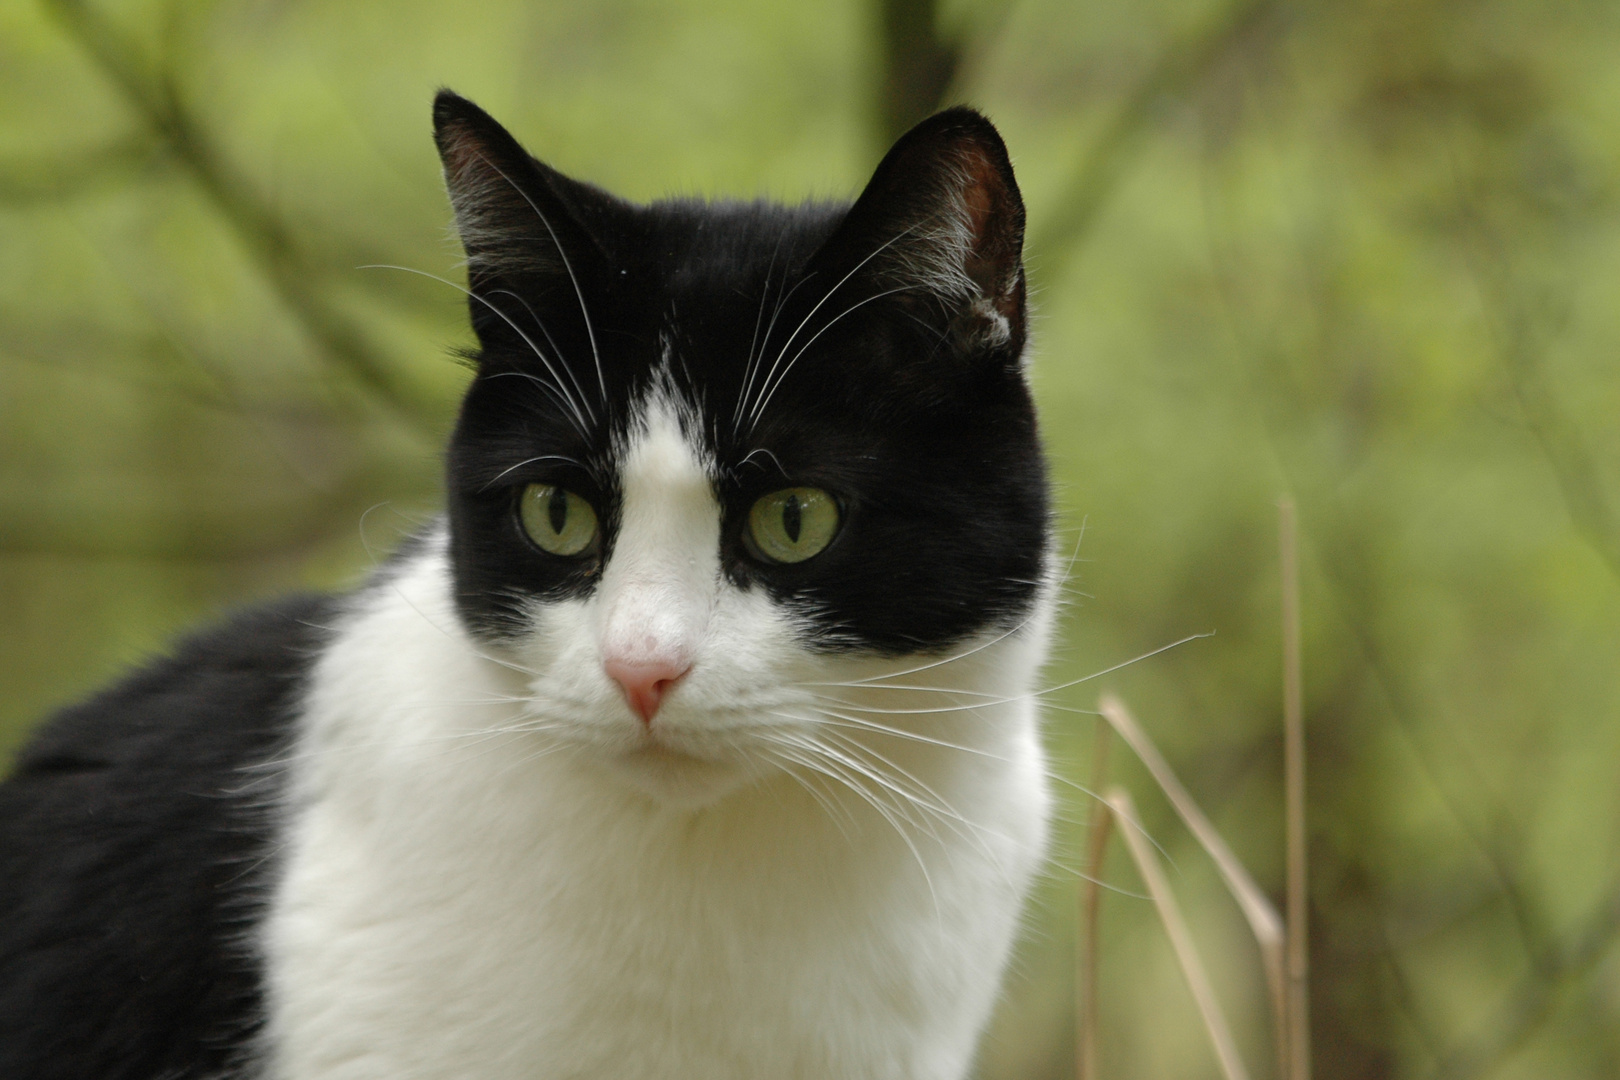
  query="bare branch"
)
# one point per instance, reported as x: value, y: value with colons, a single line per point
x: 1175, y: 927
x: 1261, y: 916
x: 1574, y: 466
x: 1102, y: 820
x: 918, y: 64
x: 1104, y: 162
x: 157, y: 101
x: 1298, y: 936
x: 24, y: 182
x: 162, y: 531
x: 1531, y: 1000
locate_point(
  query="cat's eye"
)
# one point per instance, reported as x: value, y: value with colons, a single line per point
x: 556, y: 519
x: 791, y: 525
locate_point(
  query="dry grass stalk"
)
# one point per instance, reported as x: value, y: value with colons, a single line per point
x: 1262, y: 917
x: 1298, y: 1006
x: 1102, y: 820
x: 1192, y: 967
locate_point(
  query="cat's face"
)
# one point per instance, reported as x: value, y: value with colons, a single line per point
x: 717, y: 457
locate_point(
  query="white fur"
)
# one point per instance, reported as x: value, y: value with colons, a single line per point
x: 495, y: 871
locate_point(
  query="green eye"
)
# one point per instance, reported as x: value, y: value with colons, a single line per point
x: 557, y: 520
x: 790, y: 525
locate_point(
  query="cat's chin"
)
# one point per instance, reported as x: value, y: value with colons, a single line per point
x: 677, y: 779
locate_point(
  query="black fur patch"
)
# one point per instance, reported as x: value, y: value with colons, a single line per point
x: 134, y: 837
x: 872, y: 350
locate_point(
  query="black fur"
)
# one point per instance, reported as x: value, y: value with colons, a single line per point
x: 134, y: 835
x: 904, y: 399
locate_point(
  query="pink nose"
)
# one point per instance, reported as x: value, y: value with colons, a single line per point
x: 646, y: 682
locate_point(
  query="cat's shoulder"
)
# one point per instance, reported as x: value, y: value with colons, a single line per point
x: 133, y: 833
x: 216, y: 692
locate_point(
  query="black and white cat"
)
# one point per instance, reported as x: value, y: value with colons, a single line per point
x: 695, y: 741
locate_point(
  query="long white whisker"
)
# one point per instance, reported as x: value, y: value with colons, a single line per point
x: 875, y: 680
x: 553, y: 343
x: 759, y: 318
x: 904, y: 800
x: 939, y: 806
x: 899, y: 733
x: 776, y: 313
x: 824, y: 800
x: 558, y: 394
x: 880, y: 680
x: 836, y: 719
x: 817, y: 759
x: 579, y: 293
x: 766, y: 400
x: 762, y: 450
x: 579, y: 416
x: 528, y: 461
x: 1122, y: 664
x: 754, y: 413
x: 924, y: 710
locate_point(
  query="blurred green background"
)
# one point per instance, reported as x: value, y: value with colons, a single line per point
x: 1366, y: 253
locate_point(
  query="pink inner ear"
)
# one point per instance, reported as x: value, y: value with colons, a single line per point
x: 993, y: 251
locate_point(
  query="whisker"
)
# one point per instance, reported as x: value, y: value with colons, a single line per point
x: 781, y: 303
x: 823, y: 799
x: 575, y: 409
x: 759, y: 317
x: 876, y: 685
x: 830, y: 769
x: 873, y: 680
x: 761, y: 450
x: 530, y: 461
x: 774, y: 386
x: 553, y: 343
x: 568, y: 265
x: 899, y: 733
x: 754, y: 413
x: 860, y: 768
x: 941, y: 807
x: 835, y: 719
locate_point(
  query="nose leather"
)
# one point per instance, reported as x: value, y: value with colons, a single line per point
x: 646, y: 682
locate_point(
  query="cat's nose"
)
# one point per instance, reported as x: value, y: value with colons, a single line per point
x: 645, y: 682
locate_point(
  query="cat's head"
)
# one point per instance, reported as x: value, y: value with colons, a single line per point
x: 717, y: 455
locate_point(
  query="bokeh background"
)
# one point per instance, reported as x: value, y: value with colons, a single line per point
x: 1366, y: 253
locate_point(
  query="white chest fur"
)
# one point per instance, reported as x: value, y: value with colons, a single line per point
x: 475, y: 885
x: 466, y: 905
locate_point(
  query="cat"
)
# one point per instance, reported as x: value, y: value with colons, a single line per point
x: 695, y: 740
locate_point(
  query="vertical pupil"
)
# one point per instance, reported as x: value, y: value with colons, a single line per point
x: 557, y: 509
x: 791, y: 520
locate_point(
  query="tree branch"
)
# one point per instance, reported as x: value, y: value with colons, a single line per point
x: 1105, y: 161
x: 64, y: 178
x: 1532, y: 999
x: 918, y: 64
x: 156, y: 100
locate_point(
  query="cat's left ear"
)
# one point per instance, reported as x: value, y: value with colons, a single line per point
x: 518, y: 218
x: 941, y: 227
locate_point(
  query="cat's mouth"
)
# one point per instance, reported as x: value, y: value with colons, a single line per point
x: 677, y: 776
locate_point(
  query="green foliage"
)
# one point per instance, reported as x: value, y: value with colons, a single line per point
x: 1367, y: 253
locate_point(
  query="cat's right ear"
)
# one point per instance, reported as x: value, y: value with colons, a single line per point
x: 941, y: 228
x: 519, y: 220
